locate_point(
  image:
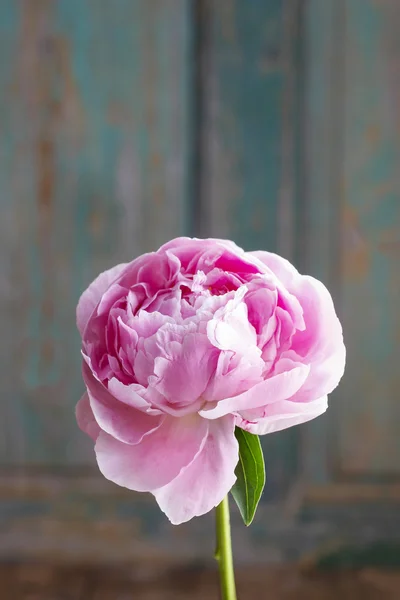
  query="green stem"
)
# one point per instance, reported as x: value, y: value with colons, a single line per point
x: 223, y: 553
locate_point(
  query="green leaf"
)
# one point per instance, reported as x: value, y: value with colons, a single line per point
x: 250, y: 474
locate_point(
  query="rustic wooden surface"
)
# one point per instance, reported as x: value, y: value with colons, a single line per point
x: 370, y: 217
x: 273, y: 122
x: 352, y: 227
x: 44, y: 582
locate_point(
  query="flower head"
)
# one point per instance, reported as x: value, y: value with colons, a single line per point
x: 182, y: 345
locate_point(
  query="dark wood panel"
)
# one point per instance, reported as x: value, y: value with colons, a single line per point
x: 46, y: 582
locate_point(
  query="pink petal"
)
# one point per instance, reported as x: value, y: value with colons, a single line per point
x: 282, y: 415
x: 92, y: 295
x: 203, y: 483
x: 157, y: 459
x: 85, y: 418
x: 183, y: 379
x: 134, y: 395
x: 321, y: 343
x: 159, y: 270
x: 191, y: 250
x: 281, y: 267
x: 274, y: 389
x: 233, y: 376
x: 230, y: 328
x: 121, y: 420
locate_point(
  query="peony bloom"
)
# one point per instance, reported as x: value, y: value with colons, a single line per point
x: 182, y: 345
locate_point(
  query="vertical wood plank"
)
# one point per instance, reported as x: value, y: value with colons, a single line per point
x: 248, y: 181
x: 322, y: 165
x: 244, y: 82
x: 353, y: 229
x: 369, y: 444
x: 95, y: 139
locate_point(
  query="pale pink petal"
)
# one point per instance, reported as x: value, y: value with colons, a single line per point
x: 281, y: 415
x: 206, y: 480
x: 274, y: 389
x: 281, y: 267
x: 157, y: 459
x: 321, y: 342
x: 134, y: 395
x: 85, y: 418
x: 230, y: 329
x: 183, y: 377
x: 233, y: 375
x: 121, y: 420
x: 92, y: 295
x: 159, y: 271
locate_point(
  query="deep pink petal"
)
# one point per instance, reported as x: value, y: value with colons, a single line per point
x: 157, y: 459
x: 261, y: 304
x: 92, y: 295
x: 85, y: 418
x: 281, y: 415
x: 274, y: 389
x: 207, y: 479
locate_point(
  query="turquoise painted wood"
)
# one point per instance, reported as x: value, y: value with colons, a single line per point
x: 320, y: 162
x: 245, y: 83
x: 370, y: 258
x: 353, y: 215
x: 94, y: 153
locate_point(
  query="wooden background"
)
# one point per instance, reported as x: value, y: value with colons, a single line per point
x: 125, y: 123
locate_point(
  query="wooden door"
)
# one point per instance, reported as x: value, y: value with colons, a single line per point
x: 123, y: 124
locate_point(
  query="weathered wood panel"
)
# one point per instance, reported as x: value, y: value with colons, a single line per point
x: 352, y: 227
x: 369, y: 442
x: 97, y: 161
x: 321, y: 165
x: 127, y: 582
x: 95, y: 125
x: 250, y: 115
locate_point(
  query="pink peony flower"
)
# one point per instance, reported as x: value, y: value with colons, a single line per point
x: 182, y: 345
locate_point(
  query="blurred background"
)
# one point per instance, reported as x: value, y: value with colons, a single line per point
x: 123, y: 124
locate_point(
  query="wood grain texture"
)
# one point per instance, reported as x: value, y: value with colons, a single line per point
x: 352, y: 226
x: 369, y: 444
x: 54, y: 582
x: 244, y: 79
x: 95, y: 126
x: 79, y: 518
x: 321, y: 195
